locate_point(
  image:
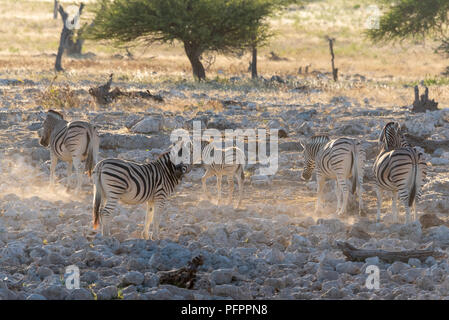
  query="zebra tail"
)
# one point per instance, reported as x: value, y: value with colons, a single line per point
x: 412, y: 195
x: 354, y: 178
x: 98, y: 194
x: 92, y: 147
x: 242, y: 173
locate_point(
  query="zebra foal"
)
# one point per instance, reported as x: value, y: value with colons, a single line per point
x: 229, y: 162
x: 72, y: 142
x: 134, y: 183
x: 400, y: 169
x: 340, y: 159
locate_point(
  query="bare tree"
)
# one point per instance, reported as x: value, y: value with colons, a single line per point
x: 67, y: 34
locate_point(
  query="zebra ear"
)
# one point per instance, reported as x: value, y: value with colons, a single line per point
x: 302, y: 142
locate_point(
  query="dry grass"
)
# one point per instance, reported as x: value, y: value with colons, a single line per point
x: 31, y: 37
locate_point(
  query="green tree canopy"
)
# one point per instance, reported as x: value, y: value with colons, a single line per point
x: 201, y: 25
x: 413, y: 19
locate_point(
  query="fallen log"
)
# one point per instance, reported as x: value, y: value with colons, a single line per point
x: 103, y: 94
x: 355, y: 254
x: 184, y: 277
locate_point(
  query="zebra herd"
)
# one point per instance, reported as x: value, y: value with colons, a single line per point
x: 399, y: 168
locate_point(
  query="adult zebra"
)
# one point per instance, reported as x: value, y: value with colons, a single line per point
x: 72, y: 142
x: 135, y: 183
x: 338, y: 159
x: 399, y: 168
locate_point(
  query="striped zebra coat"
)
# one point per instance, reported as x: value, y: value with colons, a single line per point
x: 229, y: 162
x: 340, y: 159
x: 72, y: 142
x: 400, y: 169
x: 134, y: 183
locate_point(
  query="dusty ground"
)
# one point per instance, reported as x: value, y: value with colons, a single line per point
x: 271, y: 247
x: 274, y: 246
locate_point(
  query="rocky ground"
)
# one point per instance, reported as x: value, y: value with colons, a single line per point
x: 272, y: 247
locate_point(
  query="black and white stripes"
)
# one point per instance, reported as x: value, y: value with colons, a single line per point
x: 338, y: 159
x: 399, y: 168
x: 133, y: 183
x: 71, y: 142
x: 229, y: 162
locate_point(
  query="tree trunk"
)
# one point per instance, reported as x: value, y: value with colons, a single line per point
x: 194, y: 54
x: 58, y: 63
x: 254, y: 64
x: 74, y: 47
x: 55, y: 9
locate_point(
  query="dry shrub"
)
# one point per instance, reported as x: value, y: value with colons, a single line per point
x: 58, y: 97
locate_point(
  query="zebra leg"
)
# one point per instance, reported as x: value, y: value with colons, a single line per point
x: 157, y: 219
x: 320, y: 185
x: 148, y: 220
x: 360, y: 195
x: 53, y: 163
x: 105, y: 215
x: 219, y: 188
x: 206, y: 175
x: 69, y: 174
x: 231, y: 188
x: 345, y: 193
x: 395, y: 206
x: 415, y: 213
x: 379, y: 202
x: 240, y: 183
x: 339, y: 195
x: 77, y: 164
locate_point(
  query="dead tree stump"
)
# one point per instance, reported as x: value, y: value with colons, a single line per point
x: 422, y: 104
x: 331, y: 49
x: 67, y: 34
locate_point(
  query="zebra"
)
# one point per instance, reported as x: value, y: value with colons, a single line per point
x: 338, y: 159
x: 229, y: 162
x: 135, y: 183
x: 399, y: 168
x: 72, y: 142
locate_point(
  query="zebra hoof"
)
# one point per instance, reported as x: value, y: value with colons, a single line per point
x: 144, y: 235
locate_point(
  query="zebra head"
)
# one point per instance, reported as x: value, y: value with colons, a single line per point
x: 49, y: 124
x: 391, y: 137
x: 311, y: 148
x: 180, y: 156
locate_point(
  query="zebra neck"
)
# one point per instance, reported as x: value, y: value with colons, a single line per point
x: 59, y: 124
x: 316, y: 151
x: 167, y: 165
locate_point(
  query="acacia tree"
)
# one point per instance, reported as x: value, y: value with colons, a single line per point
x: 414, y: 19
x: 201, y: 25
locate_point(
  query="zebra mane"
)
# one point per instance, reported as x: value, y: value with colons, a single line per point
x: 391, y: 137
x: 387, y: 129
x: 55, y: 114
x: 319, y: 138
